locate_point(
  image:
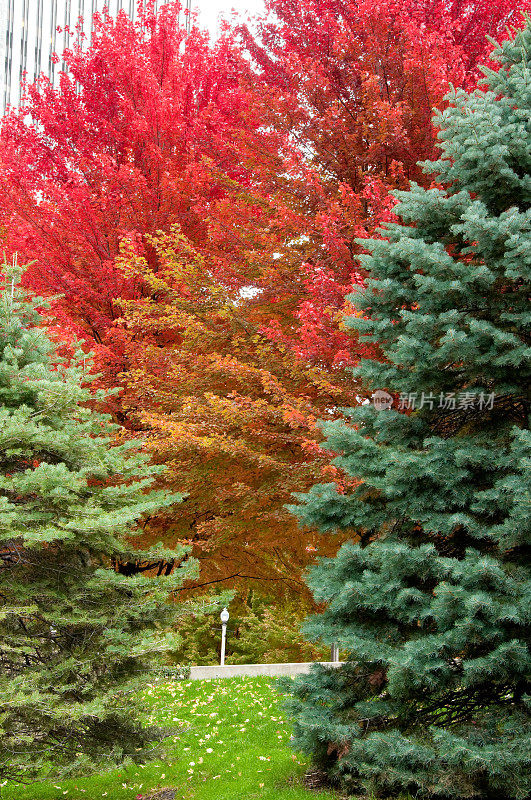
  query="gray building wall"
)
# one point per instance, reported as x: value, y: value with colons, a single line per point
x: 29, y: 37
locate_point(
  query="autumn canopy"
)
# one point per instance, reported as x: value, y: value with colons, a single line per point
x: 232, y: 266
x: 195, y: 208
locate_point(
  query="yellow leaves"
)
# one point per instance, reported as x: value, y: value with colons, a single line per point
x: 169, y: 434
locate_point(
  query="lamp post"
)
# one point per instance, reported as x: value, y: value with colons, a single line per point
x: 224, y: 616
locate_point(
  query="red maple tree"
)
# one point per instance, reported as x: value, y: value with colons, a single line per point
x: 356, y: 82
x: 156, y: 144
x: 149, y: 127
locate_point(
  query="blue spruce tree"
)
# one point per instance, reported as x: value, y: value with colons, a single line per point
x: 80, y: 619
x: 431, y: 599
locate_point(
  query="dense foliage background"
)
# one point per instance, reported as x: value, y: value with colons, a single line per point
x: 197, y: 206
x: 197, y: 215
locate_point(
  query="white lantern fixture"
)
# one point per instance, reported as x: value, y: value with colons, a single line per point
x: 224, y: 616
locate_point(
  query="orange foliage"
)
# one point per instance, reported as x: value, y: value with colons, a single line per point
x: 231, y: 414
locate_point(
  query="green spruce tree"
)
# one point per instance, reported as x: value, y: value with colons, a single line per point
x: 77, y: 630
x: 431, y: 599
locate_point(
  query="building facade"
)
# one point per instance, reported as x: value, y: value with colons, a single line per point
x: 32, y: 31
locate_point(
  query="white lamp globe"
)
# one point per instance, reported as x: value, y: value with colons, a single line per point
x: 224, y: 616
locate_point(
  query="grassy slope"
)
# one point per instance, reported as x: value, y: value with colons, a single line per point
x: 233, y: 744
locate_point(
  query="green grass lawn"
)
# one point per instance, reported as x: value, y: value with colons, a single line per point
x: 233, y: 744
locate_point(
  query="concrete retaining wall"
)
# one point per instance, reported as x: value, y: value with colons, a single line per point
x: 252, y: 670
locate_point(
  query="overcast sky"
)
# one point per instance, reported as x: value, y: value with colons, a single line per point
x: 210, y: 10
